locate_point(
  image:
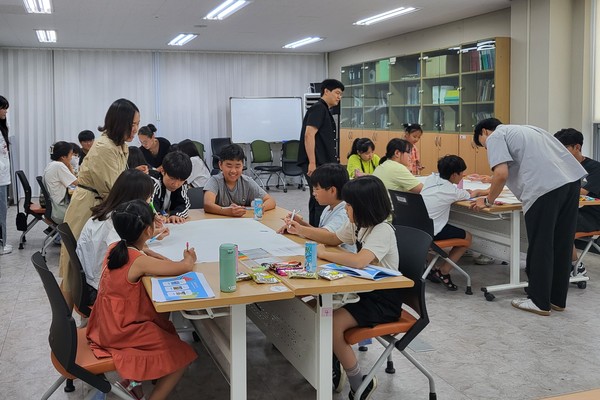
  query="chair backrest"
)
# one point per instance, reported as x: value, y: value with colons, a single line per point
x: 289, y: 158
x: 22, y: 178
x: 216, y: 145
x: 200, y: 148
x: 77, y: 279
x: 413, y: 246
x: 261, y: 151
x: 196, y: 196
x: 410, y: 210
x: 63, y: 331
x: 48, y: 213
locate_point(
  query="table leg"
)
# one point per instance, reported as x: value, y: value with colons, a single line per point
x: 238, y: 383
x: 323, y: 333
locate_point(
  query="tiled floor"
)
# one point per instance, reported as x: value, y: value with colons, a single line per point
x: 482, y: 350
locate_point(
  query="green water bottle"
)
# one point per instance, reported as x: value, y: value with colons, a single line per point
x: 228, y: 256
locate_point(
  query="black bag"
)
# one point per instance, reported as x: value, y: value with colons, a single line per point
x: 21, y: 222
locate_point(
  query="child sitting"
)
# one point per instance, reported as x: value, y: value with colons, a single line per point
x: 170, y: 190
x: 98, y: 232
x: 393, y: 167
x: 439, y: 192
x: 136, y: 160
x: 230, y: 192
x: 86, y: 140
x: 368, y: 206
x: 124, y: 324
x: 362, y: 159
x: 58, y: 176
x: 200, y: 172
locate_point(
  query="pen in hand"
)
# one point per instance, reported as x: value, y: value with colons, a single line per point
x: 292, y: 217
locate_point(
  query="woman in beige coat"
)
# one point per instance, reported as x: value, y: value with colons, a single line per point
x: 105, y: 161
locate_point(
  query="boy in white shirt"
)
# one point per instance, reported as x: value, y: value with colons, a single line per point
x: 439, y: 192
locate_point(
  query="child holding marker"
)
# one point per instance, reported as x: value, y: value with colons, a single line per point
x: 124, y: 324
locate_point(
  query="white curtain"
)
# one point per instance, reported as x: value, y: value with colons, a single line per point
x: 55, y: 94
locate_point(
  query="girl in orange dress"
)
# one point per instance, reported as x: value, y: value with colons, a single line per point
x: 124, y: 324
x: 412, y: 134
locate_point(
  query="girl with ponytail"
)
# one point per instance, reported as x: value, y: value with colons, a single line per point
x: 393, y: 167
x: 362, y: 159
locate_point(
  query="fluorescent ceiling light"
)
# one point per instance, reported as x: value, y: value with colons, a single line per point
x: 302, y: 42
x: 227, y: 8
x: 46, y: 36
x: 38, y: 6
x: 182, y: 39
x: 388, y: 14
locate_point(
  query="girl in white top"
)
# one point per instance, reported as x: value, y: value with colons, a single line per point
x: 368, y: 206
x: 98, y: 232
x: 58, y: 176
x: 200, y: 172
x: 4, y: 175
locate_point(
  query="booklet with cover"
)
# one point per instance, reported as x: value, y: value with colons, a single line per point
x: 192, y: 285
x: 371, y: 272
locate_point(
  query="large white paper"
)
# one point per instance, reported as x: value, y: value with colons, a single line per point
x: 205, y: 236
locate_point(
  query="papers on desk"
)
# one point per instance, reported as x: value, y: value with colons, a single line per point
x: 192, y: 285
x: 371, y: 272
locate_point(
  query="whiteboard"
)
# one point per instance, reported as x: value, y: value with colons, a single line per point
x: 272, y: 119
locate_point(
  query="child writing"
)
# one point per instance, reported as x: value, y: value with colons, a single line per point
x: 362, y: 158
x: 170, y: 189
x: 412, y: 134
x: 230, y: 191
x: 393, y: 167
x: 99, y: 233
x: 368, y: 206
x: 58, y: 176
x: 123, y: 323
x: 439, y: 192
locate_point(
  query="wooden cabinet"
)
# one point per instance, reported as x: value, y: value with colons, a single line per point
x: 433, y: 146
x: 475, y: 157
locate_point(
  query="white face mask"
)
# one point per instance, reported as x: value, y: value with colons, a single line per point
x: 75, y: 162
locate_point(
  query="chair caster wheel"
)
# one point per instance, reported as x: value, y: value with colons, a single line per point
x: 284, y: 190
x: 469, y: 291
x: 69, y: 387
x: 266, y: 187
x: 21, y: 247
x: 390, y: 368
x: 489, y: 296
x: 582, y: 285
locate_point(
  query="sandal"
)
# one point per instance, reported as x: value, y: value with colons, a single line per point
x: 446, y: 280
x: 432, y: 276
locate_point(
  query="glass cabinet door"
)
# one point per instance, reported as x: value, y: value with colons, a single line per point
x: 352, y: 100
x: 441, y: 90
x: 376, y: 76
x: 405, y: 91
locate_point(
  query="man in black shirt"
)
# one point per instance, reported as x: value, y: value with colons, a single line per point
x: 318, y: 138
x: 588, y: 218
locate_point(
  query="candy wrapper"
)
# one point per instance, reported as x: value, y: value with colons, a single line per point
x: 302, y: 274
x: 283, y: 268
x: 331, y: 274
x: 264, y: 277
x: 242, y: 276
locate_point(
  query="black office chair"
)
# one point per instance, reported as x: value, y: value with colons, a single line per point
x: 70, y: 352
x: 262, y: 154
x: 289, y: 162
x: 413, y: 246
x: 30, y: 208
x: 216, y: 145
x: 51, y: 235
x: 196, y: 196
x: 410, y: 210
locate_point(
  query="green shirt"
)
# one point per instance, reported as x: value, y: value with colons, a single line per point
x: 357, y: 163
x: 396, y: 176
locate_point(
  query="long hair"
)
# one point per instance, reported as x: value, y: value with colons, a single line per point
x: 135, y: 157
x: 129, y: 219
x: 3, y: 126
x: 118, y: 121
x: 401, y: 145
x: 130, y: 185
x: 369, y: 200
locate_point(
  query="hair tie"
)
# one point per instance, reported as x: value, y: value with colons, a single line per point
x: 51, y: 149
x: 124, y: 242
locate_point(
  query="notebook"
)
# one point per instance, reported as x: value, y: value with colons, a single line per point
x: 371, y: 272
x: 192, y: 285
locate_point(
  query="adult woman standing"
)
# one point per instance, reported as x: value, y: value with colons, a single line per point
x: 103, y: 164
x: 153, y: 148
x: 4, y: 175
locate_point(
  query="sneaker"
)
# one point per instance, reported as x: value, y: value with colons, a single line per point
x: 368, y: 390
x: 6, y: 249
x: 132, y: 388
x: 468, y: 253
x: 529, y: 305
x: 581, y: 271
x: 339, y: 375
x: 483, y: 260
x: 556, y: 308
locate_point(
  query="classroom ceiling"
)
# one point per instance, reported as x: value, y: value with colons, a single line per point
x: 262, y: 26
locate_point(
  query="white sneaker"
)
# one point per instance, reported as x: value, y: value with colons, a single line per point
x: 581, y: 271
x: 6, y: 249
x: 528, y: 305
x: 483, y: 260
x: 468, y: 253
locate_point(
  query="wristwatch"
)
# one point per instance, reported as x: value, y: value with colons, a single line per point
x: 486, y: 202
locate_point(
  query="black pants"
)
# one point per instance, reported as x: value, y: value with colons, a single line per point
x: 314, y: 208
x: 550, y: 224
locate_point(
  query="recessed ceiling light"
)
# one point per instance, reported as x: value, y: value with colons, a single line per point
x: 182, y: 39
x: 46, y: 36
x: 388, y: 14
x: 38, y: 6
x: 302, y: 42
x: 227, y: 8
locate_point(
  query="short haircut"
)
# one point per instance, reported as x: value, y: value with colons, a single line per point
x: 135, y: 157
x: 86, y: 136
x: 118, y: 121
x: 569, y: 137
x: 60, y: 149
x: 331, y: 84
x: 76, y: 148
x: 188, y: 147
x: 177, y: 165
x: 410, y: 128
x: 232, y: 152
x: 369, y: 200
x: 330, y: 175
x: 450, y: 164
x: 489, y: 123
x: 148, y: 130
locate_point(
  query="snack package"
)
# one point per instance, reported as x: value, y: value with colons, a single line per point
x: 302, y: 274
x: 264, y: 277
x: 331, y: 274
x: 283, y: 268
x: 242, y: 276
